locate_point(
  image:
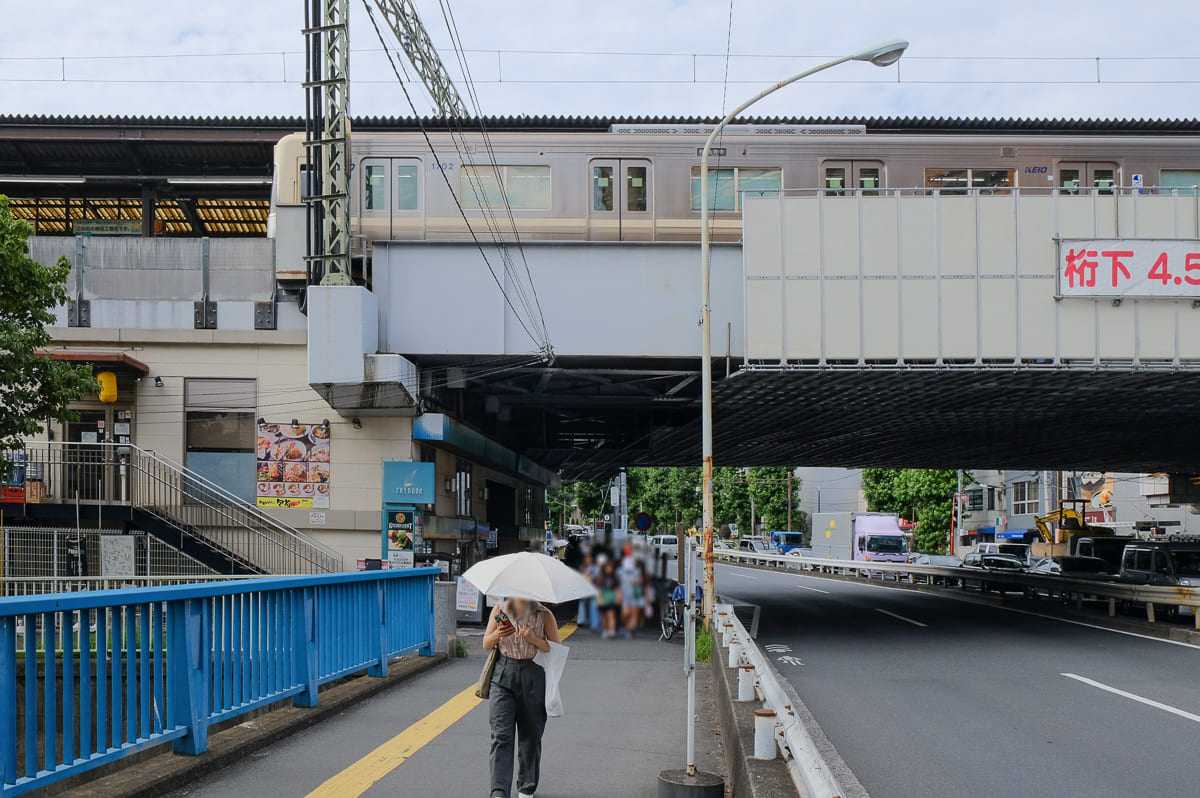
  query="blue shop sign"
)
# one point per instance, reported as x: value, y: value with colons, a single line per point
x: 406, y: 482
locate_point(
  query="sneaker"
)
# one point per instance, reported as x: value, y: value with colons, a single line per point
x: 524, y: 795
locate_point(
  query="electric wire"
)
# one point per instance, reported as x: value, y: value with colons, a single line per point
x: 453, y: 194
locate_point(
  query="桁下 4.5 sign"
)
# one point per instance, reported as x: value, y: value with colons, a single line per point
x: 1129, y: 267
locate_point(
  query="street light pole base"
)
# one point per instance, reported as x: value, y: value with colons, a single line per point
x: 678, y: 784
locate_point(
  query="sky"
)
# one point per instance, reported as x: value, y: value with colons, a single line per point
x: 1017, y: 58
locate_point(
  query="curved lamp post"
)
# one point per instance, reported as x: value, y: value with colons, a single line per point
x: 882, y: 54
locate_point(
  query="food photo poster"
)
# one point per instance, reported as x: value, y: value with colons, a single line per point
x: 293, y: 465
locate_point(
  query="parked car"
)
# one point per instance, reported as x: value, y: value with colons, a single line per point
x: 1022, y: 551
x: 1165, y: 563
x: 942, y: 560
x: 755, y: 546
x: 989, y: 563
x: 1090, y: 568
x: 658, y: 545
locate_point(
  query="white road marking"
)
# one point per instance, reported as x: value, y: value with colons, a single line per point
x: 743, y: 576
x: 777, y: 648
x: 813, y: 589
x: 1134, y: 697
x: 790, y: 660
x: 902, y: 618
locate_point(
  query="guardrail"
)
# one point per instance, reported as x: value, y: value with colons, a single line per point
x: 1150, y: 595
x: 808, y: 770
x: 43, y: 585
x: 144, y: 667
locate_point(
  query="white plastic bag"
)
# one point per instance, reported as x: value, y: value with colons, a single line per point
x: 553, y: 663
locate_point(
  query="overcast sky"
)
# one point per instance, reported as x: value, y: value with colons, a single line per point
x: 1151, y: 43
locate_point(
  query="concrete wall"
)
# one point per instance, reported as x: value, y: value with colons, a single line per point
x: 970, y: 278
x: 610, y: 299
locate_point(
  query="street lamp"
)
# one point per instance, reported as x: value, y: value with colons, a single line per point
x: 882, y: 54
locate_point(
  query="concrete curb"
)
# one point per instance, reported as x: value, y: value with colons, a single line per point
x: 749, y: 777
x: 159, y: 774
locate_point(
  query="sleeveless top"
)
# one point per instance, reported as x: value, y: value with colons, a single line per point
x: 513, y: 646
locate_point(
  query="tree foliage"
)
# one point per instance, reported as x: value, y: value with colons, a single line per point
x: 922, y: 495
x: 33, y: 388
x: 669, y: 495
x: 586, y: 497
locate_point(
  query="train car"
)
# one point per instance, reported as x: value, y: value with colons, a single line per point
x: 640, y: 181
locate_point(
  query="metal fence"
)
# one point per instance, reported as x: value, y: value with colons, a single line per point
x: 143, y: 667
x: 1148, y: 595
x: 49, y: 553
x: 191, y: 506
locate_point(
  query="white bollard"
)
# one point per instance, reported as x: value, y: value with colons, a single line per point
x: 746, y: 683
x: 726, y: 633
x: 764, y: 734
x: 735, y: 653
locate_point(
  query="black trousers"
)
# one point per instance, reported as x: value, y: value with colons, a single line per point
x: 518, y: 716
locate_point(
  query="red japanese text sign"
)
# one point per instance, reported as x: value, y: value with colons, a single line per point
x: 1129, y: 267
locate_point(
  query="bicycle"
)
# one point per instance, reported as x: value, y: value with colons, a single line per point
x: 674, y: 611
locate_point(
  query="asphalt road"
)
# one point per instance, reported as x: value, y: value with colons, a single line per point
x: 925, y: 695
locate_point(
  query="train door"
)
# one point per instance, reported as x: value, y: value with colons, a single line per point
x: 622, y: 206
x: 390, y: 201
x: 841, y: 175
x: 1101, y: 175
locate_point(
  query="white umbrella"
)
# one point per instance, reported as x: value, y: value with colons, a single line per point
x: 530, y: 576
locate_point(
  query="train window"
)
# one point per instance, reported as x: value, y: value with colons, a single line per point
x: 726, y: 183
x: 956, y: 181
x: 527, y: 187
x: 835, y: 179
x: 722, y: 193
x: 950, y: 181
x: 406, y: 187
x: 868, y: 177
x: 1104, y: 179
x: 602, y: 188
x: 1068, y: 179
x: 635, y: 188
x: 375, y: 179
x: 1185, y: 180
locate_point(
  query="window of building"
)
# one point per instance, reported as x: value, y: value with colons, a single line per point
x: 527, y: 187
x: 406, y: 187
x: 975, y: 499
x: 219, y: 433
x: 462, y: 488
x: 375, y: 184
x: 991, y: 499
x: 957, y: 181
x: 724, y: 184
x: 1025, y: 498
x: 1185, y: 180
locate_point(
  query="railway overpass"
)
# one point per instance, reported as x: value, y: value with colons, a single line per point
x: 906, y: 327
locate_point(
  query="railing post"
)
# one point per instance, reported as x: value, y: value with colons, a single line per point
x: 304, y: 617
x: 430, y: 646
x: 190, y: 672
x: 379, y: 619
x: 8, y: 700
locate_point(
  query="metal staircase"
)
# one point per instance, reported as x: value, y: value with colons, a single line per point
x: 167, y: 500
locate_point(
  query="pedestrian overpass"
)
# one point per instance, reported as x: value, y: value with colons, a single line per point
x: 1015, y: 328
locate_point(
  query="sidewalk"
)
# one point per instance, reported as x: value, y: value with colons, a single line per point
x: 624, y: 702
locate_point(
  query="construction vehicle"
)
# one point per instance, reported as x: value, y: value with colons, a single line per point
x: 1070, y: 522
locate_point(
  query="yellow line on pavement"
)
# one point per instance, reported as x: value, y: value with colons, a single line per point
x: 359, y: 777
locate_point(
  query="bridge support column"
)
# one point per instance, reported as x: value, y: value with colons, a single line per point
x: 305, y: 643
x: 190, y: 671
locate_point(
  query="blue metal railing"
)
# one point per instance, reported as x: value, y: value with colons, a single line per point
x: 106, y: 673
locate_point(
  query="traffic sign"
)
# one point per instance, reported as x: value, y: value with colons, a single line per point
x: 643, y: 521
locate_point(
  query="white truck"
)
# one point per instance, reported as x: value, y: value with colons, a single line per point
x: 872, y: 537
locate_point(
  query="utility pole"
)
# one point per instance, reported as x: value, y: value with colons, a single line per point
x: 789, y: 527
x: 956, y: 532
x: 624, y: 486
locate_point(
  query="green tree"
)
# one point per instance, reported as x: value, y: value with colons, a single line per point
x: 768, y: 485
x: 731, y: 500
x: 589, y: 498
x: 33, y: 388
x: 669, y: 495
x: 922, y: 495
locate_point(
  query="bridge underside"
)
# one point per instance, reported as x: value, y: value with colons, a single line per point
x: 588, y: 418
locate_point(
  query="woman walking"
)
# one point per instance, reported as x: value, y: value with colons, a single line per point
x: 520, y: 628
x: 609, y: 600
